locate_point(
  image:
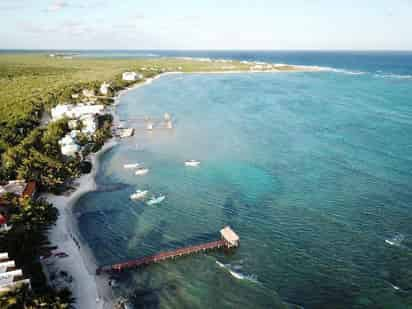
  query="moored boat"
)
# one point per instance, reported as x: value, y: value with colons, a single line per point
x: 142, y: 171
x: 156, y: 200
x: 139, y: 194
x: 192, y: 163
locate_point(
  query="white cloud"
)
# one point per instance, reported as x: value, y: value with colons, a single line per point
x: 57, y: 5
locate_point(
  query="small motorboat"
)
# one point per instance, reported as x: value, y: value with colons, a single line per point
x: 131, y: 165
x: 156, y: 200
x: 138, y: 195
x: 142, y: 171
x: 192, y: 163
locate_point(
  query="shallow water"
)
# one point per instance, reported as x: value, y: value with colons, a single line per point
x: 312, y: 170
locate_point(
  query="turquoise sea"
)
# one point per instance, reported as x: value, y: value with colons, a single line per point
x: 312, y: 170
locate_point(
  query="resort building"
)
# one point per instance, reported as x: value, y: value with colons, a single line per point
x: 104, y: 88
x: 19, y: 188
x: 131, y: 76
x: 68, y: 145
x: 89, y: 123
x: 10, y: 277
x: 75, y: 111
x: 84, y: 117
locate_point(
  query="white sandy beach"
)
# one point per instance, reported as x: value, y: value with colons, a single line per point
x: 89, y: 293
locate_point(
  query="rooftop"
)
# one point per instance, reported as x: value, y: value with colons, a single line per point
x: 30, y: 189
x: 14, y: 186
x: 229, y: 235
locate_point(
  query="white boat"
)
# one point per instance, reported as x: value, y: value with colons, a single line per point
x: 192, y: 163
x: 390, y: 242
x: 138, y: 195
x: 156, y: 200
x: 142, y: 171
x: 131, y: 165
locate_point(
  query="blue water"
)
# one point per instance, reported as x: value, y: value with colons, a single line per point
x: 312, y: 170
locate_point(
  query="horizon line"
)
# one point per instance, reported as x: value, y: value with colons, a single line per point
x: 214, y: 49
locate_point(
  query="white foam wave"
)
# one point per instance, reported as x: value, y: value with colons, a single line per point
x: 330, y: 69
x: 393, y: 76
x: 237, y: 274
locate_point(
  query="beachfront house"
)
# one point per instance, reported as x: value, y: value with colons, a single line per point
x: 68, y: 145
x: 19, y: 188
x: 10, y: 277
x: 81, y: 114
x: 104, y: 88
x: 75, y: 111
x: 131, y: 76
x: 89, y: 123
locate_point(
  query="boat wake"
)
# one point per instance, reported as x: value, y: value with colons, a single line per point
x: 393, y: 76
x: 236, y: 274
x: 396, y: 240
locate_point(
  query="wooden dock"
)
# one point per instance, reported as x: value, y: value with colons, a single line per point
x: 229, y: 240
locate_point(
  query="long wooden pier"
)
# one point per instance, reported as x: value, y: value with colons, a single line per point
x: 229, y: 240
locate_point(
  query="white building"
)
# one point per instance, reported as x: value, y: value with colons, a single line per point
x: 89, y: 123
x: 131, y: 76
x: 68, y: 145
x: 75, y: 111
x: 104, y: 88
x: 10, y: 278
x: 15, y: 187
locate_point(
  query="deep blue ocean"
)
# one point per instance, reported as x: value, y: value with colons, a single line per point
x: 312, y: 170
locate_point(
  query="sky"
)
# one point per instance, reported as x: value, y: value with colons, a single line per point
x: 206, y: 24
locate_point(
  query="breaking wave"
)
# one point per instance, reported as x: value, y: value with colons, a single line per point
x: 237, y: 274
x: 393, y: 76
x: 330, y: 69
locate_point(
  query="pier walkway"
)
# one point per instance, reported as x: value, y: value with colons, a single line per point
x: 229, y: 240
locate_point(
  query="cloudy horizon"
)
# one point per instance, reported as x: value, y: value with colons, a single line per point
x: 257, y: 25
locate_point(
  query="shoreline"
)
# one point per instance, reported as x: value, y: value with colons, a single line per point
x: 85, y: 286
x: 89, y: 290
